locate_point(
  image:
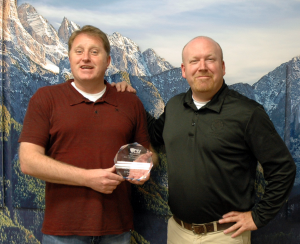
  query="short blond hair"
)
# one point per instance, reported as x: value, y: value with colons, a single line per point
x: 93, y: 31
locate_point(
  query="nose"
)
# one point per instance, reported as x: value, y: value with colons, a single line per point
x: 202, y: 65
x: 86, y: 56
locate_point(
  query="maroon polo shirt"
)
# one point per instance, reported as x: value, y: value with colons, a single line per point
x: 85, y: 134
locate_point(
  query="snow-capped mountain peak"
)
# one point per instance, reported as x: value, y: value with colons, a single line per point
x: 155, y: 63
x: 13, y: 31
x: 37, y: 25
x: 127, y: 56
x: 66, y: 29
x: 43, y: 32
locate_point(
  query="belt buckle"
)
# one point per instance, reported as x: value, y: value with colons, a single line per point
x: 204, y: 227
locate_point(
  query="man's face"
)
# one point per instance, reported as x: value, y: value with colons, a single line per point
x: 203, y: 68
x: 88, y: 59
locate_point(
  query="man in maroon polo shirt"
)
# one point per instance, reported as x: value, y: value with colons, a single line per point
x: 70, y: 135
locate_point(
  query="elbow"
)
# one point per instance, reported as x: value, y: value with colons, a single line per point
x: 29, y: 154
x: 23, y: 166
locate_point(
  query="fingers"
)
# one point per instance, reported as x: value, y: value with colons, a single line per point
x: 112, y: 169
x: 144, y: 157
x: 228, y: 218
x: 108, y: 189
x: 109, y: 180
x: 237, y: 233
x: 137, y: 182
x: 141, y: 180
x: 243, y: 222
x: 237, y: 228
x: 119, y: 86
x: 130, y: 89
x: 230, y: 214
x: 109, y: 184
x: 123, y: 86
x: 102, y: 180
x: 233, y: 228
x: 112, y: 174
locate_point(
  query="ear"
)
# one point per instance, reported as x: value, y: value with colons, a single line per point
x: 108, y: 61
x: 223, y: 67
x: 183, y: 70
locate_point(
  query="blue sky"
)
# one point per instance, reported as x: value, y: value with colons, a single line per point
x: 256, y: 36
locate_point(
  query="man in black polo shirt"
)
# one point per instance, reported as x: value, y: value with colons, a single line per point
x: 214, y: 137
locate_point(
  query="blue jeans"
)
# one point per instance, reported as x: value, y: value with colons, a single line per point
x: 123, y: 238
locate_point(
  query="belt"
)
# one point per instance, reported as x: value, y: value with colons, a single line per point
x: 202, y: 228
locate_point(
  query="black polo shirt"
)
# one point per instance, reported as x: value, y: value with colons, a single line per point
x: 212, y: 157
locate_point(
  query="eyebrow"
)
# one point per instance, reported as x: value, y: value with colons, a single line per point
x: 93, y: 46
x: 209, y: 55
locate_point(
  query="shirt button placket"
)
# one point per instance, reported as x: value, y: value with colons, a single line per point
x: 194, y: 122
x: 193, y: 126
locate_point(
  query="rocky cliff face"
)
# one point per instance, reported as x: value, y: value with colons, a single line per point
x: 278, y: 92
x: 125, y: 53
x: 36, y: 25
x: 126, y: 56
x: 66, y: 29
x: 169, y: 83
x: 14, y: 32
x: 24, y: 64
x: 146, y: 91
x: 155, y: 63
x: 43, y: 32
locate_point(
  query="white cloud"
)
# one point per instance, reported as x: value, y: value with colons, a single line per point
x: 252, y: 53
x: 95, y: 17
x: 256, y: 36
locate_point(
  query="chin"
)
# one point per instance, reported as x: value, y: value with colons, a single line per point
x: 85, y: 78
x: 202, y: 88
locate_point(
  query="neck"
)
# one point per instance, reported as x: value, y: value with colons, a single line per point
x: 90, y: 87
x: 204, y: 96
x: 201, y: 97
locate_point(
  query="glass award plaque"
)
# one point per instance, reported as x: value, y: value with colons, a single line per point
x: 133, y: 161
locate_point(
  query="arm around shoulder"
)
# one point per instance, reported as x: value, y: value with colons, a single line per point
x: 155, y: 129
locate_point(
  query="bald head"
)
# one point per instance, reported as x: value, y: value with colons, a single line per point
x: 203, y: 38
x: 203, y: 67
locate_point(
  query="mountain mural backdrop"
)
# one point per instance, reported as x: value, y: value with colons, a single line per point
x: 35, y: 54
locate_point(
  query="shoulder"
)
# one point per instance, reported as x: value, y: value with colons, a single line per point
x: 52, y: 89
x: 179, y: 98
x: 55, y: 89
x: 128, y: 95
x: 122, y: 97
x: 240, y: 100
x: 244, y: 109
x: 50, y: 94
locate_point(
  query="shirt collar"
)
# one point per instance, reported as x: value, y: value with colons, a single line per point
x: 217, y: 101
x: 214, y: 104
x: 110, y: 95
